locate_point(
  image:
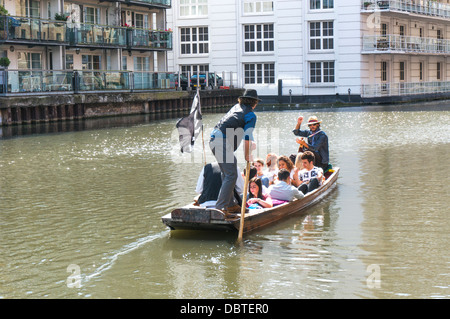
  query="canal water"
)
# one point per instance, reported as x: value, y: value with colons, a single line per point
x: 81, y: 208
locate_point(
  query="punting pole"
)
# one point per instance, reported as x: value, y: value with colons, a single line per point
x: 244, y: 202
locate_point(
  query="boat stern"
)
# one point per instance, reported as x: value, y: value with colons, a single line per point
x: 196, y: 218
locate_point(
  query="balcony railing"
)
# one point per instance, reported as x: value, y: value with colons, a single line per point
x: 428, y: 8
x: 158, y: 3
x: 19, y: 29
x: 405, y: 88
x: 404, y: 44
x: 35, y: 81
x: 98, y: 35
x: 32, y: 29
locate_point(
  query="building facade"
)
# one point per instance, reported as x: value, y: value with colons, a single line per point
x: 316, y: 49
x: 54, y: 46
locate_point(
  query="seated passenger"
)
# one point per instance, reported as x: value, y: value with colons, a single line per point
x: 283, y: 190
x: 259, y: 165
x: 311, y: 176
x: 209, y: 183
x: 272, y: 168
x: 256, y: 198
x: 286, y: 163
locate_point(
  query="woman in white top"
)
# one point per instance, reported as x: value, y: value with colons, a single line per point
x: 286, y: 163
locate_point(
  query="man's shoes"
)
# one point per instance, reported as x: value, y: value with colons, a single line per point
x: 234, y: 209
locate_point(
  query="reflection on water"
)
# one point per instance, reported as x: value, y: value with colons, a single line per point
x: 93, y: 196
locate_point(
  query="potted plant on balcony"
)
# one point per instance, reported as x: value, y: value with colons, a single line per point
x: 4, y: 62
x: 367, y: 5
x: 61, y: 17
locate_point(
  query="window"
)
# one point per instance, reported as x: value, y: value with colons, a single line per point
x: 258, y: 38
x: 384, y: 74
x: 438, y: 70
x: 321, y: 35
x: 384, y: 29
x: 255, y: 6
x: 142, y: 79
x: 193, y: 8
x: 420, y: 71
x: 322, y: 72
x: 140, y: 20
x: 69, y: 61
x: 29, y: 60
x: 259, y: 73
x: 402, y: 71
x: 28, y: 8
x: 91, y: 62
x: 92, y: 15
x: 193, y: 69
x: 194, y: 40
x: 321, y: 4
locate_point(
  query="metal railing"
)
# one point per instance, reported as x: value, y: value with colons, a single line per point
x: 75, y: 81
x: 406, y: 44
x: 164, y: 3
x: 32, y: 29
x: 404, y: 88
x: 84, y: 34
x: 428, y: 8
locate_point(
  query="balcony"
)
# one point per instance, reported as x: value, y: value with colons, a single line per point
x: 162, y: 4
x: 404, y: 88
x: 427, y: 8
x: 32, y: 30
x: 13, y: 82
x: 21, y: 30
x: 405, y: 45
x: 166, y: 4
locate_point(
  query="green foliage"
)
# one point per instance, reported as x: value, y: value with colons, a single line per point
x: 4, y: 62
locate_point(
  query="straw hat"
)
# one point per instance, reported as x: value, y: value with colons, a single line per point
x: 313, y: 120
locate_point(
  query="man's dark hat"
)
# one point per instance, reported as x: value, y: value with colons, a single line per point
x: 251, y: 94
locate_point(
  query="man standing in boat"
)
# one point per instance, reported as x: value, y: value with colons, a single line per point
x: 317, y: 141
x: 237, y: 125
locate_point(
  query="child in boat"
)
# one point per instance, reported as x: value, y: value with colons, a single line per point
x: 283, y: 190
x: 311, y: 176
x: 258, y: 198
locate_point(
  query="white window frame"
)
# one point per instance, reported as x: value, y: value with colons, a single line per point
x: 322, y: 4
x: 257, y: 7
x: 29, y: 58
x: 260, y: 73
x: 96, y: 14
x: 258, y: 41
x: 194, y: 41
x: 193, y: 8
x: 322, y: 35
x: 324, y: 77
x: 193, y: 68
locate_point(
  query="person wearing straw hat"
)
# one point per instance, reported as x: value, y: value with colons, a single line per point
x: 237, y: 125
x: 316, y: 142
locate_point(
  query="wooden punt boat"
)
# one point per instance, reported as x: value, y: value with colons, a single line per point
x: 198, y: 218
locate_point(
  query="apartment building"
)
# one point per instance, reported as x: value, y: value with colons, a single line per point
x: 316, y: 49
x: 61, y: 46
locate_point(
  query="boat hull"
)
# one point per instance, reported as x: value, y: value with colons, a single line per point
x: 197, y: 218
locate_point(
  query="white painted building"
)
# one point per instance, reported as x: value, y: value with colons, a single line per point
x: 316, y: 48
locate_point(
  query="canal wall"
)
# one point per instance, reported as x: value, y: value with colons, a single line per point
x: 16, y: 110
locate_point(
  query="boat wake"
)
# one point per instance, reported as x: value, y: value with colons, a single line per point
x: 125, y: 250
